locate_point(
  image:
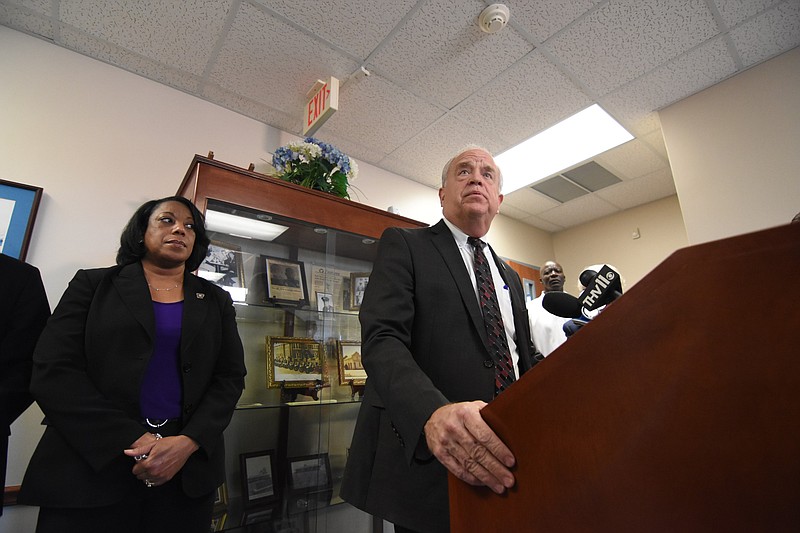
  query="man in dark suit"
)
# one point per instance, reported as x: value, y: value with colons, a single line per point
x: 23, y: 313
x: 428, y: 360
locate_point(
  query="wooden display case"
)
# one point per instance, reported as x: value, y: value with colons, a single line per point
x: 294, y: 295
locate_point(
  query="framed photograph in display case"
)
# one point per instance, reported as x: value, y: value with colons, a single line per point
x: 309, y: 483
x: 18, y: 206
x: 260, y: 515
x: 286, y: 281
x: 324, y: 302
x: 258, y: 478
x: 358, y: 284
x: 221, y: 498
x: 295, y: 362
x: 223, y: 265
x: 351, y: 370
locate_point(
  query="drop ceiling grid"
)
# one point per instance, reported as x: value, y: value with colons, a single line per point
x: 529, y: 201
x: 358, y: 30
x: 372, y: 103
x: 735, y: 11
x: 632, y: 193
x: 247, y: 107
x: 769, y: 33
x: 443, y: 55
x: 691, y: 72
x: 260, y: 49
x: 578, y: 211
x: 631, y: 160
x: 543, y: 19
x: 438, y: 143
x: 181, y: 34
x: 622, y: 40
x: 25, y: 20
x: 536, y: 95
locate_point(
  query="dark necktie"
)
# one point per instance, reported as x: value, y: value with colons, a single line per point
x: 492, y: 319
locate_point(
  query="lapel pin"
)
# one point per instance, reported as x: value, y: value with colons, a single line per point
x: 200, y: 295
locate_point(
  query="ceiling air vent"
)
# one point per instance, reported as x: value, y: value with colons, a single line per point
x: 576, y: 182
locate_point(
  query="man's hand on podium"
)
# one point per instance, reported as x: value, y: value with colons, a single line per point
x: 462, y: 441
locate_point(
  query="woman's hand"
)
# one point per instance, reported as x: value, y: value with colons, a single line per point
x: 159, y: 459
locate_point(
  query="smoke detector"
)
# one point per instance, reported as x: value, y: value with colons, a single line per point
x: 494, y: 18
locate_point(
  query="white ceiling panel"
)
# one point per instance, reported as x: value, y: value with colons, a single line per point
x: 372, y: 103
x: 650, y: 188
x: 443, y: 55
x: 623, y: 40
x: 530, y: 96
x: 356, y: 27
x: 768, y: 34
x: 437, y: 82
x: 181, y: 34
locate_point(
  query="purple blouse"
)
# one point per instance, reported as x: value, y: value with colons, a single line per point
x: 160, y: 395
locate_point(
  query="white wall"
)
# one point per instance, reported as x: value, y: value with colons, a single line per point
x: 610, y: 240
x: 735, y: 151
x: 101, y: 141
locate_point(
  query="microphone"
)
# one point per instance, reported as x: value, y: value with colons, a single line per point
x: 603, y: 287
x: 561, y: 304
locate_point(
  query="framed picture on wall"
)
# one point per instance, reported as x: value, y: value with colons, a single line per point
x: 258, y: 478
x: 294, y: 362
x: 18, y: 206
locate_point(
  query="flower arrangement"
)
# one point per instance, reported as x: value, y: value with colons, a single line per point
x: 316, y: 165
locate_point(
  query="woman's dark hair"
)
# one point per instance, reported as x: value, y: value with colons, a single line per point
x: 131, y: 242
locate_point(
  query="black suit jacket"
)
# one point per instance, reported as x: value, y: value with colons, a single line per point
x: 423, y: 345
x: 23, y: 314
x: 88, y: 368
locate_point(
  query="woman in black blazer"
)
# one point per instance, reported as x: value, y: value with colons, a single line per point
x: 138, y: 373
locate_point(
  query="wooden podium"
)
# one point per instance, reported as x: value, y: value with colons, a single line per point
x: 677, y: 409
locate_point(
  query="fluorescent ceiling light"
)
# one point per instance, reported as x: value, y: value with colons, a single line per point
x: 241, y: 226
x: 571, y: 141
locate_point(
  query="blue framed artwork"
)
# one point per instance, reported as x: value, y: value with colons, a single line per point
x: 18, y: 206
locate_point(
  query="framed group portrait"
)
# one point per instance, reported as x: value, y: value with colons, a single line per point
x: 258, y: 478
x: 351, y: 370
x: 295, y: 362
x: 18, y: 206
x: 286, y: 281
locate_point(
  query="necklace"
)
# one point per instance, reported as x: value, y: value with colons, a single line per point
x: 167, y: 289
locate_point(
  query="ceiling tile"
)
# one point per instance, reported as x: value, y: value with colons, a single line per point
x: 439, y: 143
x: 441, y: 54
x: 356, y: 27
x: 529, y: 201
x: 776, y: 30
x: 24, y: 20
x: 114, y: 55
x: 578, y: 211
x: 631, y: 160
x: 640, y: 191
x: 685, y: 75
x: 261, y: 49
x: 536, y: 95
x: 542, y: 224
x: 735, y: 11
x: 543, y: 19
x: 250, y: 108
x: 367, y: 104
x: 181, y: 34
x: 624, y: 39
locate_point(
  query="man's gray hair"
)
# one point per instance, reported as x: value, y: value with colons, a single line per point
x: 467, y: 148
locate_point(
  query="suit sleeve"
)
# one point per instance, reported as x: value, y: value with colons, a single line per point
x: 96, y: 428
x: 28, y: 313
x: 387, y: 318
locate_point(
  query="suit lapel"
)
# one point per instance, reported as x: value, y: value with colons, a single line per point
x: 195, y: 306
x: 444, y: 242
x: 132, y: 289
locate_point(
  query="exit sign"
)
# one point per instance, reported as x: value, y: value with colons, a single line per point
x: 323, y: 101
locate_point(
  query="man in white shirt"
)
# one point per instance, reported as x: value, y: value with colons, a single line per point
x: 546, y: 328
